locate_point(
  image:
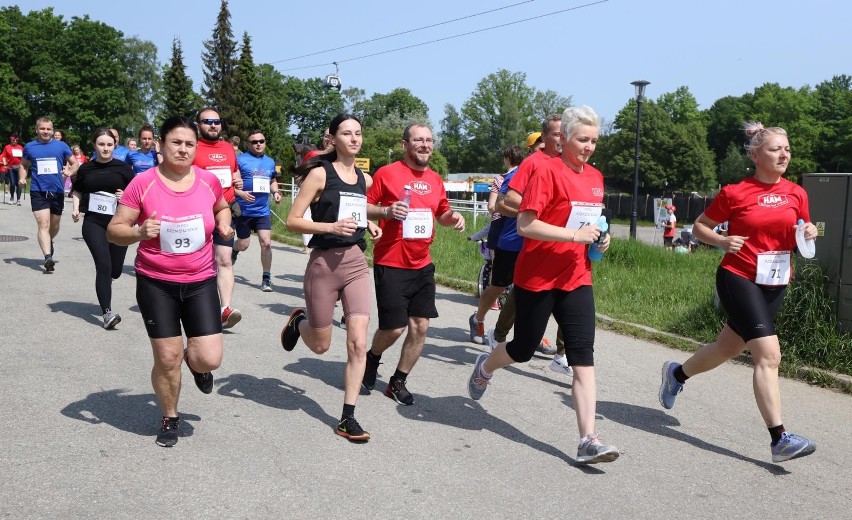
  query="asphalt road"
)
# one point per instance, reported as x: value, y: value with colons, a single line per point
x: 80, y: 418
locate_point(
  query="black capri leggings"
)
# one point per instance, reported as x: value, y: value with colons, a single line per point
x: 574, y: 312
x: 165, y: 305
x: 14, y: 179
x: 108, y: 257
x: 751, y: 308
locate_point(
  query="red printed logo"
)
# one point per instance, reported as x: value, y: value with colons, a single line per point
x: 598, y: 192
x: 217, y: 157
x: 420, y: 187
x: 772, y: 200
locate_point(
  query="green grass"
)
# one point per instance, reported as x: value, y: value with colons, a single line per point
x: 641, y: 286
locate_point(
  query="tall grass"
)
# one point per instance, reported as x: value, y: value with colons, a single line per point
x: 651, y: 286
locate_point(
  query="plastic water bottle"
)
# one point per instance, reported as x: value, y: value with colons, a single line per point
x: 595, y: 254
x: 405, y: 197
x: 807, y: 247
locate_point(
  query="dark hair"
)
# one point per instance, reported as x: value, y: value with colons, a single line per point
x: 177, y: 122
x: 302, y: 170
x: 205, y: 109
x: 60, y: 133
x: 256, y: 131
x: 545, y: 125
x: 514, y: 155
x: 102, y: 131
x: 147, y: 127
x: 406, y: 134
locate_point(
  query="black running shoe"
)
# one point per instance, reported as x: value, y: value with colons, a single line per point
x: 48, y: 264
x: 203, y: 380
x: 396, y: 390
x: 370, y: 373
x: 168, y: 435
x: 348, y: 427
x: 290, y: 333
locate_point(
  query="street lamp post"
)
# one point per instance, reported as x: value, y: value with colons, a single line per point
x: 640, y: 95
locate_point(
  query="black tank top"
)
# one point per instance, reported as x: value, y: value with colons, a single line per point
x: 327, y: 209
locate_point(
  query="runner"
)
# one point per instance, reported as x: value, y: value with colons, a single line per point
x: 145, y: 156
x: 45, y: 160
x: 11, y: 157
x: 762, y: 212
x: 176, y: 207
x: 259, y: 181
x: 402, y: 266
x: 218, y: 158
x: 557, y: 218
x: 95, y: 192
x: 335, y: 189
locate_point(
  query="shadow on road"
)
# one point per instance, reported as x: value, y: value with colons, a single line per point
x: 31, y: 263
x: 88, y: 312
x: 133, y: 413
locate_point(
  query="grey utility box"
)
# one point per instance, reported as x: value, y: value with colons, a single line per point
x: 830, y: 198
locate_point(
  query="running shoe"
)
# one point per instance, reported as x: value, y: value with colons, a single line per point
x: 477, y: 384
x: 290, y: 333
x: 397, y: 391
x: 496, y: 305
x: 342, y: 321
x: 168, y: 435
x: 670, y: 387
x: 490, y: 339
x: 591, y: 451
x: 203, y: 380
x: 791, y: 446
x: 230, y: 317
x: 545, y: 348
x: 19, y: 203
x: 111, y: 319
x: 372, y: 370
x: 48, y: 264
x: 349, y: 428
x: 560, y: 366
x: 477, y: 330
x: 266, y: 285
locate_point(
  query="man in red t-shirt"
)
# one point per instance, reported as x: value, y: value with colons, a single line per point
x: 402, y: 267
x: 218, y: 157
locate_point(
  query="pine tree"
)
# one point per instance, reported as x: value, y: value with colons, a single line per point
x: 219, y: 59
x: 179, y: 99
x: 251, y: 110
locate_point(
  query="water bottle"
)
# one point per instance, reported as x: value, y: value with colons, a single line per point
x: 596, y: 254
x: 405, y: 197
x: 807, y: 247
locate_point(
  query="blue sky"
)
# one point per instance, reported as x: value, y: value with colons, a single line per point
x: 716, y: 48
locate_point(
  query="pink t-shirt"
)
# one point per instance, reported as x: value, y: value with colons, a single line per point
x: 183, y: 253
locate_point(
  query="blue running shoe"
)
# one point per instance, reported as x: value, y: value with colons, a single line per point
x: 670, y: 387
x: 791, y: 446
x: 478, y: 384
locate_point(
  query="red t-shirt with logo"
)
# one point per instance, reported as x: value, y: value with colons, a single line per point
x: 528, y: 166
x: 765, y: 213
x: 219, y: 159
x: 551, y: 194
x: 13, y: 154
x: 427, y: 193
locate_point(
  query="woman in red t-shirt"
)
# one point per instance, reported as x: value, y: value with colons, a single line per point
x: 762, y: 213
x: 558, y: 218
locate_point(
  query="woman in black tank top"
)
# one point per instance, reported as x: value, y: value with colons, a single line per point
x: 336, y: 192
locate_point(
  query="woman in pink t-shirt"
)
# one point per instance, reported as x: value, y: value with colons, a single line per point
x: 176, y: 206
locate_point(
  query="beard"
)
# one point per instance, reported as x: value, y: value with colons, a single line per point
x: 418, y: 160
x: 208, y: 136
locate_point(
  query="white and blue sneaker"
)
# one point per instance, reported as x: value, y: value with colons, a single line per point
x: 670, y: 386
x: 791, y: 446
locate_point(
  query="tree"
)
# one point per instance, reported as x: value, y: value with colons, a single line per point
x: 143, y: 76
x: 178, y: 96
x: 548, y: 103
x: 399, y: 102
x: 452, y: 140
x: 735, y: 166
x: 353, y: 99
x: 219, y: 60
x: 833, y: 109
x: 251, y: 110
x: 725, y: 120
x: 681, y: 106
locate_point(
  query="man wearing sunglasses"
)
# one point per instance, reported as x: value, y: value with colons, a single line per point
x: 218, y: 157
x: 259, y: 183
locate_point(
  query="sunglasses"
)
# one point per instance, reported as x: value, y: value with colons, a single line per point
x: 211, y: 121
x: 258, y: 141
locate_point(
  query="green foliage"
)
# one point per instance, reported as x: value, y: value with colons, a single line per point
x: 452, y: 142
x: 398, y: 106
x: 252, y: 111
x: 178, y: 96
x: 735, y: 166
x: 219, y: 60
x: 143, y: 76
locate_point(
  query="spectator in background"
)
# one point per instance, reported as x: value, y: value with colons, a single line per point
x: 235, y: 142
x: 669, y: 226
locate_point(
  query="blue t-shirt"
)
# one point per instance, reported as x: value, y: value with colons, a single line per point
x: 46, y: 163
x: 140, y: 160
x: 250, y: 167
x: 120, y: 152
x: 510, y: 240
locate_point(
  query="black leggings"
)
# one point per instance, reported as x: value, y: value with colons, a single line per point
x: 108, y: 257
x: 751, y: 308
x: 574, y: 312
x: 165, y: 305
x: 14, y: 179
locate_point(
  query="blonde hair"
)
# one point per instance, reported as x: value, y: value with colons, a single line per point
x: 757, y: 134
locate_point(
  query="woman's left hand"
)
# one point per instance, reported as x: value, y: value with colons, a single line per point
x: 374, y: 230
x: 604, y: 244
x: 225, y: 231
x: 811, y: 231
x: 75, y: 215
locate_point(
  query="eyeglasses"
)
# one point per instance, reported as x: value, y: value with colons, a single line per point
x: 421, y: 141
x: 258, y: 141
x: 211, y: 122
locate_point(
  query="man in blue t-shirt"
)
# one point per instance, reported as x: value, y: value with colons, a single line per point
x: 259, y: 181
x: 45, y: 159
